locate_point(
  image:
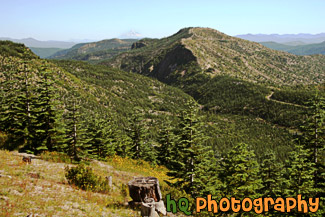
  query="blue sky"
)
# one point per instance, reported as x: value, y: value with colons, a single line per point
x: 100, y: 19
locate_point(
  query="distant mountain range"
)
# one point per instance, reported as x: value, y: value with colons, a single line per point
x: 95, y: 50
x: 72, y: 50
x: 306, y: 49
x: 31, y: 42
x: 289, y: 39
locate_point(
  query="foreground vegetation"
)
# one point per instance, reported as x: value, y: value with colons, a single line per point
x: 40, y: 188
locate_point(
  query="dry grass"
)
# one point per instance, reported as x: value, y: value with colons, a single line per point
x: 50, y: 195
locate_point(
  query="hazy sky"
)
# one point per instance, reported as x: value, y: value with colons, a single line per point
x: 100, y: 19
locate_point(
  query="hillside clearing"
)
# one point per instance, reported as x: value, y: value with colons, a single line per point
x: 41, y: 189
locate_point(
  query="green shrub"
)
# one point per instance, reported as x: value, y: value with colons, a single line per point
x: 84, y: 178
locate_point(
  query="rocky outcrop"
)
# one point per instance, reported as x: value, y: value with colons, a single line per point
x: 138, y: 44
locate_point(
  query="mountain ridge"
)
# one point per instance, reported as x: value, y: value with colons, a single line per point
x: 31, y: 42
x: 215, y: 53
x: 95, y: 50
x: 284, y: 38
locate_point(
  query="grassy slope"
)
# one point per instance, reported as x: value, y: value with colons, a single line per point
x: 50, y: 195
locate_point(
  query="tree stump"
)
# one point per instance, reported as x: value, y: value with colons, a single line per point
x: 144, y: 187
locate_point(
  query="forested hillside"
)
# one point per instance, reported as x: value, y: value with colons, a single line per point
x: 95, y: 50
x: 226, y: 74
x: 116, y: 96
x: 210, y: 130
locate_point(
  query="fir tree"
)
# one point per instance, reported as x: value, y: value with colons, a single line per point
x: 101, y: 138
x: 272, y: 175
x: 313, y: 137
x: 300, y: 173
x: 123, y: 144
x: 166, y: 140
x: 76, y: 144
x: 240, y: 173
x: 8, y: 113
x: 138, y: 134
x: 189, y: 151
x: 48, y: 114
x: 24, y: 109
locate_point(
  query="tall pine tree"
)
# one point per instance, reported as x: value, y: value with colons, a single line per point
x: 137, y: 131
x: 76, y: 144
x: 166, y: 140
x: 190, y: 154
x: 313, y: 138
x: 48, y: 114
x: 101, y: 135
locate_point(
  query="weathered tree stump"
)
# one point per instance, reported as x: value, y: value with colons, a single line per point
x: 144, y: 187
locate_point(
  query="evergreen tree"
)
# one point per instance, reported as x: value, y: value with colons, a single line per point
x: 27, y: 114
x: 24, y: 109
x: 101, y: 138
x: 272, y: 175
x: 300, y: 173
x: 48, y: 113
x: 166, y: 140
x: 190, y: 152
x: 206, y: 180
x: 313, y: 137
x: 8, y: 114
x: 240, y: 173
x: 76, y: 144
x: 138, y: 134
x: 123, y: 144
